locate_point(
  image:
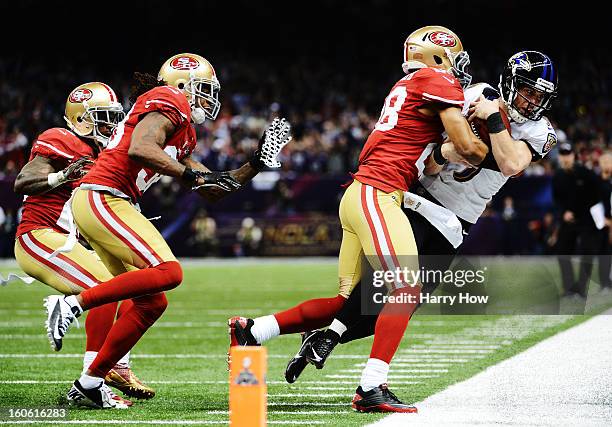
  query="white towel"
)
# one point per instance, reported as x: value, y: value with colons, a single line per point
x: 71, y: 239
x: 599, y: 216
x: 443, y: 219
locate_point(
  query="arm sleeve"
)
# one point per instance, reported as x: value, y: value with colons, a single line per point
x: 171, y: 103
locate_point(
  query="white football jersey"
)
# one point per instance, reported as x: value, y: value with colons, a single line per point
x: 466, y: 191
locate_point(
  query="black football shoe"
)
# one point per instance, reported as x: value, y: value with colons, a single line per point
x: 240, y: 331
x: 100, y: 397
x: 379, y: 399
x: 299, y: 361
x: 321, y: 347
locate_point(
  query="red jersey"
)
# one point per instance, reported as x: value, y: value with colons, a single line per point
x: 114, y: 169
x: 47, y: 210
x: 388, y: 159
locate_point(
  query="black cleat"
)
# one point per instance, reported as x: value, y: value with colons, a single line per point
x: 299, y: 361
x: 379, y: 399
x: 320, y: 349
x: 240, y: 331
x: 100, y: 397
x: 240, y: 334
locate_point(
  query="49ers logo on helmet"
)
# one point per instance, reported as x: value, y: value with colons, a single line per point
x: 80, y: 95
x: 184, y: 63
x: 443, y: 39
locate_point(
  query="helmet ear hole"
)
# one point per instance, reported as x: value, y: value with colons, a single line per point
x: 437, y: 59
x: 181, y: 85
x: 80, y: 119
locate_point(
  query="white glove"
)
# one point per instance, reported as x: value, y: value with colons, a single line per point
x: 271, y: 143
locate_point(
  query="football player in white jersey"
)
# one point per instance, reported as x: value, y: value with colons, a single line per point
x: 450, y: 191
x: 528, y: 85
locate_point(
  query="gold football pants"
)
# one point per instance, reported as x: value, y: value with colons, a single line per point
x: 118, y: 232
x: 374, y: 226
x: 69, y: 273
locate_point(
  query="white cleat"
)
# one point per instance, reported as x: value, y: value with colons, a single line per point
x: 59, y: 318
x: 100, y: 397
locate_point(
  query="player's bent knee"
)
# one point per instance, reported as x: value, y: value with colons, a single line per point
x: 158, y: 304
x: 149, y: 308
x: 172, y: 274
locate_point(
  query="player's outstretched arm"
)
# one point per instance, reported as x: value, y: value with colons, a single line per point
x: 40, y: 175
x: 511, y: 156
x: 465, y: 142
x: 148, y: 138
x: 274, y: 138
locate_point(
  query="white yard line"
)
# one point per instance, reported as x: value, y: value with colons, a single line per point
x: 345, y: 404
x: 313, y: 395
x: 148, y: 422
x: 310, y: 385
x: 454, y: 346
x: 564, y: 380
x: 401, y: 371
x: 444, y: 351
x: 153, y: 356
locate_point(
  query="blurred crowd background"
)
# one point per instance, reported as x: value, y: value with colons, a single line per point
x: 328, y: 74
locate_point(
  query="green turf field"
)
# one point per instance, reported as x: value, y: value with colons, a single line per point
x: 183, y: 356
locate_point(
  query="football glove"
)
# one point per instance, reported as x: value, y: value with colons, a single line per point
x: 72, y: 172
x: 222, y: 180
x: 274, y: 138
x: 78, y: 169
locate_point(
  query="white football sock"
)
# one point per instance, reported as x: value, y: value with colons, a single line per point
x: 88, y: 359
x: 87, y: 381
x: 374, y: 374
x: 72, y: 302
x: 265, y: 327
x: 124, y: 362
x: 338, y: 327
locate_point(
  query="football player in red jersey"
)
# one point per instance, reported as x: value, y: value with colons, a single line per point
x: 58, y: 159
x: 419, y: 108
x: 155, y: 138
x: 458, y: 197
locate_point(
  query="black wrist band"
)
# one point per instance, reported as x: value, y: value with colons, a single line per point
x: 189, y: 175
x: 256, y: 162
x: 437, y: 155
x: 495, y: 124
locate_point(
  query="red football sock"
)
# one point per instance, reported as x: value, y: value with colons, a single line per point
x: 99, y: 321
x: 163, y: 277
x: 392, y: 323
x: 127, y: 330
x: 311, y: 314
